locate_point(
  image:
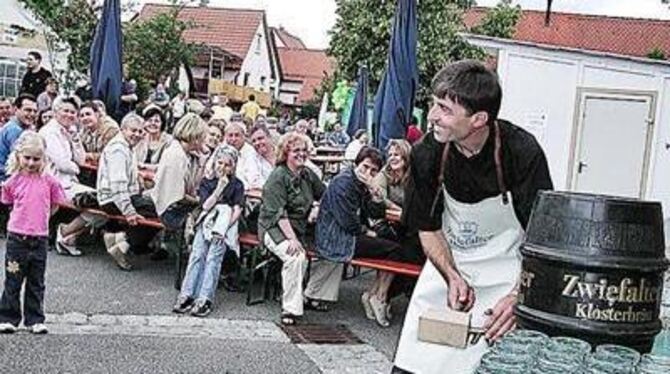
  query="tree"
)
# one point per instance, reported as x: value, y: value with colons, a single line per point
x: 155, y: 47
x: 363, y: 29
x: 70, y: 26
x: 500, y: 21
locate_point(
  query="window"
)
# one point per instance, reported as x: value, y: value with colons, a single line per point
x: 258, y: 43
x: 246, y: 79
x: 11, y: 73
x: 263, y: 79
x: 10, y: 35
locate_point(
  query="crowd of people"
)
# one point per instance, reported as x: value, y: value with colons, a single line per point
x: 190, y: 164
x: 465, y: 190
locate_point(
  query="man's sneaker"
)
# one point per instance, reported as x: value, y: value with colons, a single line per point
x: 183, y: 305
x: 7, y: 328
x: 62, y: 247
x: 202, y: 308
x: 367, y: 307
x: 38, y: 328
x: 379, y: 310
x: 119, y: 255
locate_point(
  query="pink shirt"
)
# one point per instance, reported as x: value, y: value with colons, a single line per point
x: 32, y: 197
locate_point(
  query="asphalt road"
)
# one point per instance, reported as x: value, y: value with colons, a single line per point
x: 92, y: 285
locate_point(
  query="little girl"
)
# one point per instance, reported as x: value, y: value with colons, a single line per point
x: 222, y: 198
x: 32, y: 194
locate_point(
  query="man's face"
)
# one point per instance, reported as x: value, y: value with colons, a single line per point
x: 32, y: 62
x: 5, y: 111
x: 366, y: 171
x: 27, y: 113
x: 234, y: 137
x: 338, y: 128
x: 450, y: 120
x: 133, y: 132
x: 88, y: 118
x: 259, y: 140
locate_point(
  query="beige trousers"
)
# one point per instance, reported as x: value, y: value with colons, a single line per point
x: 324, y: 280
x: 292, y: 274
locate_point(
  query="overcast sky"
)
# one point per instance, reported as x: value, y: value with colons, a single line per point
x: 311, y: 19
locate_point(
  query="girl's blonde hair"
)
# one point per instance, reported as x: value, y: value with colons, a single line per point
x: 287, y: 142
x: 29, y: 140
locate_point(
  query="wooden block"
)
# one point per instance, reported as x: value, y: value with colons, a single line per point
x: 446, y: 327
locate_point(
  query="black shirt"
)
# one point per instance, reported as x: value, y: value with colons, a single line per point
x: 471, y: 180
x: 35, y: 83
x: 232, y: 194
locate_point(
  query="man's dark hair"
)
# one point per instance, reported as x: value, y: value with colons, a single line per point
x: 36, y: 55
x: 252, y: 97
x: 373, y: 154
x: 470, y: 84
x: 18, y: 102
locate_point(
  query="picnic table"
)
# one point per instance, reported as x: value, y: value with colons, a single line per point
x: 329, y: 150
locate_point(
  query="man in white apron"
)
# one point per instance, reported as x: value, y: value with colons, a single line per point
x: 473, y: 182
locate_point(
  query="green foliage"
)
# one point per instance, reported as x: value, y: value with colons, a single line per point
x: 500, y: 21
x: 656, y: 54
x: 363, y: 30
x: 72, y: 24
x: 155, y: 47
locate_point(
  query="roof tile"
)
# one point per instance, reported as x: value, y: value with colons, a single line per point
x: 619, y: 35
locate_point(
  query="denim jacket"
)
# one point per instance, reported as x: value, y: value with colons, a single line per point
x: 341, y: 215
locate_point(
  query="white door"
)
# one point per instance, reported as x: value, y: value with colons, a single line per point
x: 611, y: 152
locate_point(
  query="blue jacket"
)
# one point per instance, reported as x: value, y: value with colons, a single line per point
x: 342, y: 213
x: 9, y: 133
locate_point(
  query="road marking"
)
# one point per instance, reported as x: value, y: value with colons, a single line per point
x: 164, y: 326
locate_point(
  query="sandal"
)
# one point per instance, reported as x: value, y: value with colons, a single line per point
x: 316, y: 305
x: 288, y: 319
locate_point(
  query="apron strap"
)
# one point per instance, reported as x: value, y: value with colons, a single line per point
x: 497, y: 156
x: 440, y: 177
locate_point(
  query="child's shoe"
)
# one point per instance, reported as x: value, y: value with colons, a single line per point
x: 38, y: 329
x: 202, y: 308
x: 183, y: 305
x: 7, y: 328
x: 62, y: 247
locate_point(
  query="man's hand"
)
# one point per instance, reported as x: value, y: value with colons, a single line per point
x: 134, y: 219
x: 461, y: 296
x: 502, y: 318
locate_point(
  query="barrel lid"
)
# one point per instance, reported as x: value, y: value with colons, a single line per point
x: 597, y: 225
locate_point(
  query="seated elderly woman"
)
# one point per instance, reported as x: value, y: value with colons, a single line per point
x: 288, y: 196
x: 177, y: 179
x: 97, y: 129
x: 66, y: 153
x: 156, y: 140
x: 341, y: 233
x: 119, y: 193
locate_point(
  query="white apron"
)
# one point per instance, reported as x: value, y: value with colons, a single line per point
x: 484, y: 239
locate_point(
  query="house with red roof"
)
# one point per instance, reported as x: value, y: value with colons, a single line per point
x: 236, y: 48
x: 303, y: 69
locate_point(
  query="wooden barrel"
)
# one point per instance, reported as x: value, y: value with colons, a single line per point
x: 593, y: 269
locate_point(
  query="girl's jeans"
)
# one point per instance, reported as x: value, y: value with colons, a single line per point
x: 25, y: 259
x: 204, y: 267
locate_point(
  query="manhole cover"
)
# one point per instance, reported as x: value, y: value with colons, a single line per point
x: 320, y: 334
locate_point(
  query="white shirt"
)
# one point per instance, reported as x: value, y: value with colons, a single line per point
x: 255, y: 171
x: 64, y: 155
x: 353, y: 149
